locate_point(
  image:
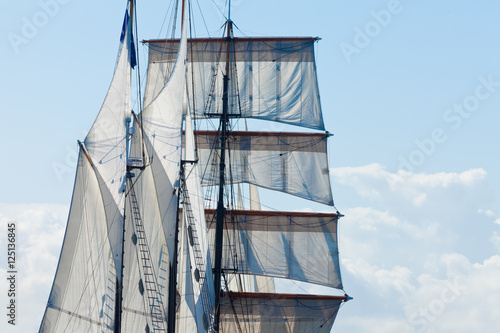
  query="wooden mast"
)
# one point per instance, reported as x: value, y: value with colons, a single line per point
x: 172, y: 283
x: 224, y: 119
x: 119, y: 282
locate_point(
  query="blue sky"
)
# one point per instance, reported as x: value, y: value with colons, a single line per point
x: 410, y: 89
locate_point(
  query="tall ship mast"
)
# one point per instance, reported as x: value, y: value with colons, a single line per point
x: 166, y: 230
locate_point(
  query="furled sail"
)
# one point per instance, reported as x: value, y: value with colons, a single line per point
x: 275, y: 77
x: 294, y: 163
x: 279, y: 313
x: 293, y: 245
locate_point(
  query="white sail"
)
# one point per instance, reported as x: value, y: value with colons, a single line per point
x: 106, y: 146
x: 198, y: 286
x: 162, y: 126
x: 120, y: 243
x: 152, y: 205
x: 135, y: 308
x: 90, y: 262
x: 248, y: 282
x: 278, y: 313
x: 299, y: 246
x: 240, y: 282
x: 294, y: 163
x: 275, y: 77
x: 106, y: 140
x: 146, y: 259
x: 186, y: 313
x: 263, y: 284
x: 137, y: 154
x: 254, y: 198
x: 83, y: 293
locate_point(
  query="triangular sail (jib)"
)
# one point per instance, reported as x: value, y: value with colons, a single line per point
x: 162, y: 133
x: 152, y: 191
x: 83, y: 293
x: 107, y: 147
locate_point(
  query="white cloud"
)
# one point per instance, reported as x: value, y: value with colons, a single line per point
x: 39, y: 233
x: 385, y: 281
x: 412, y: 191
x: 466, y: 301
x: 422, y: 254
x: 419, y: 200
x: 495, y: 239
x: 437, y: 206
x: 487, y: 212
x: 367, y: 218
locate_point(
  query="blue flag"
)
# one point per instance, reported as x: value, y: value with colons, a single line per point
x: 127, y: 30
x: 124, y: 27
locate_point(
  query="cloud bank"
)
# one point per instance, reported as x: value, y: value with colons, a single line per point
x: 39, y: 234
x: 422, y: 253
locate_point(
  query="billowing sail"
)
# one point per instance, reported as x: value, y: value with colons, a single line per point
x: 106, y: 145
x: 152, y: 190
x: 161, y: 124
x: 83, y: 293
x: 294, y: 163
x: 120, y: 260
x: 106, y: 140
x: 278, y: 313
x: 275, y: 77
x: 249, y: 282
x: 293, y: 245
